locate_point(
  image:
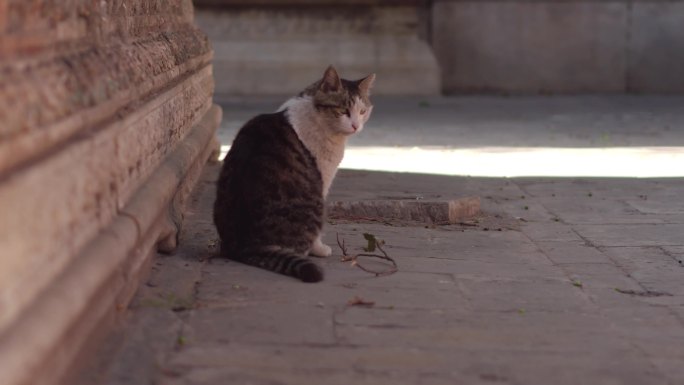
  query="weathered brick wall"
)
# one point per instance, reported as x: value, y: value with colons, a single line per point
x: 95, y: 97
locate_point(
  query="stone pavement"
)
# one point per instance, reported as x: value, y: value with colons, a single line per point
x: 480, y: 121
x: 559, y: 281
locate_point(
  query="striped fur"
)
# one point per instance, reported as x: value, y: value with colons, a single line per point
x: 287, y: 262
x: 269, y: 208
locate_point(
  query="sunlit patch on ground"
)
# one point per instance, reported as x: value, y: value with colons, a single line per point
x: 640, y: 162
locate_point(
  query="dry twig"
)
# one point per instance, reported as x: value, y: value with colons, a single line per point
x: 358, y: 301
x: 354, y: 259
x: 470, y: 224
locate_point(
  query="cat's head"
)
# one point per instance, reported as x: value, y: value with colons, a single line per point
x: 344, y: 105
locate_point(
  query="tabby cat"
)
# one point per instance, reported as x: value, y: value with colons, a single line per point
x: 269, y: 208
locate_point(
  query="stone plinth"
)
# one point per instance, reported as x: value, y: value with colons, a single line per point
x: 273, y: 48
x: 431, y: 211
x: 106, y: 118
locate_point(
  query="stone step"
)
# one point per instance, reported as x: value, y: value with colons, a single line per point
x: 450, y: 211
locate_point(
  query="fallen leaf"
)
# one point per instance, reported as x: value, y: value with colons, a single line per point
x: 371, y: 242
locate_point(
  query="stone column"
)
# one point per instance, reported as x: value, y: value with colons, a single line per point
x: 106, y: 119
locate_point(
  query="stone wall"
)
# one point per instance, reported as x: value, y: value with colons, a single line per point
x: 425, y: 47
x: 548, y: 46
x: 279, y: 47
x: 105, y: 119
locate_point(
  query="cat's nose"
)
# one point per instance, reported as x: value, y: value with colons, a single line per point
x: 355, y: 127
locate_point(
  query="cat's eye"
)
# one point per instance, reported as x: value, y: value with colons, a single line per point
x: 363, y: 112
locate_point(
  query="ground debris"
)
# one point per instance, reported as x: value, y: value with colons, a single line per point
x: 372, y: 242
x: 354, y: 259
x: 358, y: 301
x: 468, y: 224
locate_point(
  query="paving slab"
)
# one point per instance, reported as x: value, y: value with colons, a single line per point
x: 669, y: 234
x: 570, y: 252
x: 572, y: 289
x: 466, y: 305
x: 480, y: 121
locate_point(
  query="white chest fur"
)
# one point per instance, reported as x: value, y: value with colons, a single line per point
x: 326, y: 146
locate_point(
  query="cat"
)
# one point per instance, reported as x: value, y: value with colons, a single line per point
x: 270, y: 197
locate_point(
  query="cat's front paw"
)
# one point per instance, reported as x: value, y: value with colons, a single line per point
x: 320, y: 249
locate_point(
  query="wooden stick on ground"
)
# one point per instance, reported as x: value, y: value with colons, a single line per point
x: 354, y: 259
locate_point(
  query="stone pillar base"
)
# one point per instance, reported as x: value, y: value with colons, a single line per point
x: 272, y: 50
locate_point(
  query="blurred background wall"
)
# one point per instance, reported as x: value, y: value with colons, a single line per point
x: 449, y: 46
x: 279, y: 47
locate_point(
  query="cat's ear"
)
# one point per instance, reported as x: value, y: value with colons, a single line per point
x: 366, y: 83
x: 331, y: 81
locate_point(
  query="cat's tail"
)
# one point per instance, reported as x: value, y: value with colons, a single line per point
x: 281, y: 261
